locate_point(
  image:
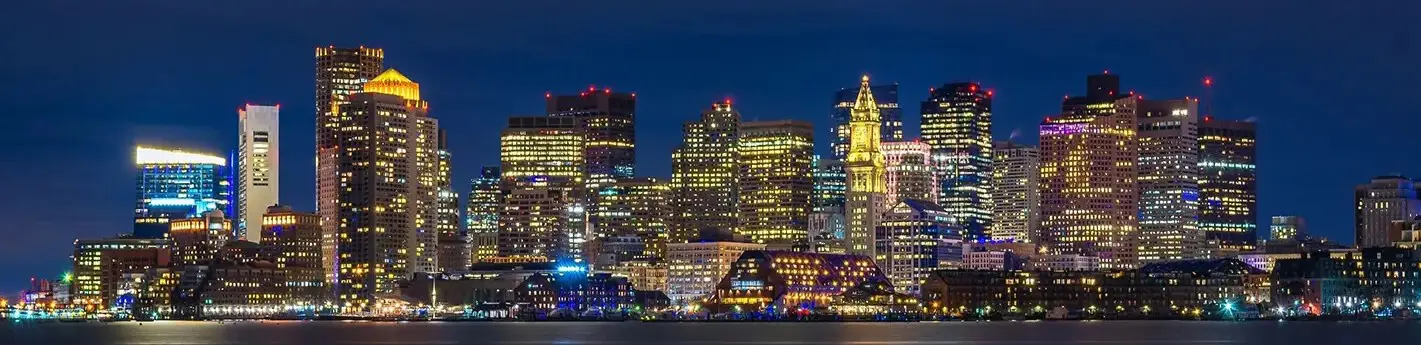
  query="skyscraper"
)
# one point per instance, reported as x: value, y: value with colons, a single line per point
x: 910, y: 172
x: 609, y: 121
x: 198, y: 239
x: 176, y: 184
x: 867, y: 175
x: 454, y: 250
x: 533, y: 146
x: 1380, y: 202
x: 1228, y: 189
x: 340, y: 72
x: 1016, y: 198
x: 388, y: 163
x: 889, y: 115
x: 258, y: 168
x: 704, y: 173
x: 1089, y: 195
x: 830, y: 185
x: 630, y: 211
x: 776, y: 188
x: 481, y: 214
x: 1168, y: 165
x: 957, y: 123
x: 542, y: 219
x: 292, y: 241
x: 914, y: 238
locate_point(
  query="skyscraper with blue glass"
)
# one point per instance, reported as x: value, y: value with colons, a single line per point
x: 176, y: 184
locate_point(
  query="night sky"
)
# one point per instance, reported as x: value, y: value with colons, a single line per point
x: 1333, y: 85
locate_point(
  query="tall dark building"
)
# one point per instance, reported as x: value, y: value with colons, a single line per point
x: 1228, y: 190
x: 609, y: 120
x: 340, y: 72
x: 481, y: 220
x: 957, y: 124
x: 889, y: 114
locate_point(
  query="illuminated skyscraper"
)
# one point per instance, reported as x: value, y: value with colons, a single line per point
x: 388, y: 163
x: 482, y: 214
x: 292, y: 241
x: 535, y: 146
x: 1016, y: 198
x: 1228, y: 184
x: 454, y: 250
x: 340, y: 72
x: 258, y: 171
x: 957, y: 123
x: 1089, y: 194
x: 704, y: 173
x: 1380, y: 202
x: 175, y: 184
x: 914, y: 238
x: 631, y: 211
x: 609, y: 121
x: 776, y: 188
x: 1169, y: 180
x: 829, y: 189
x: 867, y: 175
x: 889, y: 114
x: 542, y: 219
x: 910, y: 173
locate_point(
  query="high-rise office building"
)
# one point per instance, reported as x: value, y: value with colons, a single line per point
x: 776, y: 188
x: 533, y: 146
x: 957, y: 123
x: 914, y: 238
x: 175, y: 184
x: 542, y: 219
x: 292, y: 241
x: 631, y: 211
x: 197, y: 240
x: 1288, y: 228
x: 258, y: 168
x: 1380, y: 202
x: 1089, y: 196
x: 830, y: 185
x: 1016, y: 198
x: 910, y: 171
x: 1228, y: 189
x: 387, y: 160
x: 454, y: 249
x: 889, y: 115
x: 481, y: 214
x: 704, y: 173
x: 1168, y: 168
x: 867, y: 174
x: 609, y: 121
x: 340, y: 72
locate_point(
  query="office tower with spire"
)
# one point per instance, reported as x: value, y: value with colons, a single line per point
x: 957, y: 124
x: 1016, y: 198
x: 481, y: 214
x: 1228, y: 184
x: 704, y: 172
x: 867, y: 174
x: 258, y: 171
x: 1089, y: 194
x: 609, y: 121
x: 1381, y: 201
x: 910, y: 173
x: 890, y: 116
x: 387, y: 160
x: 776, y: 188
x: 1168, y: 167
x: 340, y: 73
x: 174, y: 185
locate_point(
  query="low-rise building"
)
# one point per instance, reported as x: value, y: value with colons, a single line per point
x: 694, y: 268
x: 783, y: 281
x: 100, y: 266
x: 1370, y: 280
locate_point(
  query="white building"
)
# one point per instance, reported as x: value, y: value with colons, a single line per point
x: 910, y: 172
x: 693, y: 269
x: 1065, y: 262
x: 1383, y: 200
x: 1168, y: 167
x: 258, y: 173
x: 1016, y: 206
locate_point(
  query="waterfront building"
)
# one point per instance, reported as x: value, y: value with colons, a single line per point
x: 100, y: 266
x: 176, y: 184
x: 481, y: 214
x: 867, y: 174
x: 340, y: 73
x: 1016, y: 196
x: 786, y: 281
x: 1228, y: 183
x: 292, y: 241
x: 1064, y: 263
x: 486, y: 288
x: 386, y: 158
x: 776, y: 187
x: 542, y: 219
x: 1285, y: 228
x: 1168, y: 167
x: 1371, y: 280
x: 630, y: 208
x: 704, y: 175
x: 694, y: 268
x: 258, y: 168
x: 1383, y: 200
x: 890, y: 116
x: 229, y: 290
x: 572, y: 291
x: 1089, y: 195
x: 608, y: 119
x: 992, y: 260
x: 644, y: 275
x: 910, y: 173
x: 914, y: 238
x: 198, y: 240
x: 957, y: 124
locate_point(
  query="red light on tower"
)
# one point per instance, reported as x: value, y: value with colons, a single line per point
x: 989, y: 93
x: 1208, y: 81
x: 607, y: 90
x: 972, y: 88
x: 1107, y: 71
x: 547, y: 94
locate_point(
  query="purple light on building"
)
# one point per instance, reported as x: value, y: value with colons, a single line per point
x: 1064, y: 129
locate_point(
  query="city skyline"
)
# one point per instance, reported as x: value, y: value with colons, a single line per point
x: 203, y: 120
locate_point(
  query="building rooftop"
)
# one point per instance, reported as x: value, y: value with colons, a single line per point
x: 1202, y: 267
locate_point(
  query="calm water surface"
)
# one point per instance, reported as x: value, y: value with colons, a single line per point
x: 371, y: 333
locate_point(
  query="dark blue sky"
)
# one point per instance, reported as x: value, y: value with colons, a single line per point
x: 1333, y: 85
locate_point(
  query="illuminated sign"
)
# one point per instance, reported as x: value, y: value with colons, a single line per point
x: 159, y: 156
x: 746, y: 284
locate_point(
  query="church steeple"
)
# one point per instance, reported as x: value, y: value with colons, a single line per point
x: 865, y: 102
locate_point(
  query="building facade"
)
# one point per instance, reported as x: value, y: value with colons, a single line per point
x: 1016, y: 196
x: 100, y: 265
x: 1168, y: 167
x: 867, y: 174
x: 1380, y: 202
x: 830, y: 186
x: 481, y: 214
x: 1288, y: 228
x: 258, y: 171
x: 914, y: 238
x: 630, y: 208
x: 957, y: 124
x: 694, y: 268
x: 1089, y: 196
x: 785, y: 281
x: 704, y: 174
x: 292, y: 241
x: 776, y: 188
x: 542, y: 219
x: 608, y: 119
x: 1228, y: 189
x: 198, y: 240
x: 890, y: 116
x: 340, y: 73
x: 536, y: 146
x: 176, y: 184
x: 1368, y: 280
x: 910, y: 171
